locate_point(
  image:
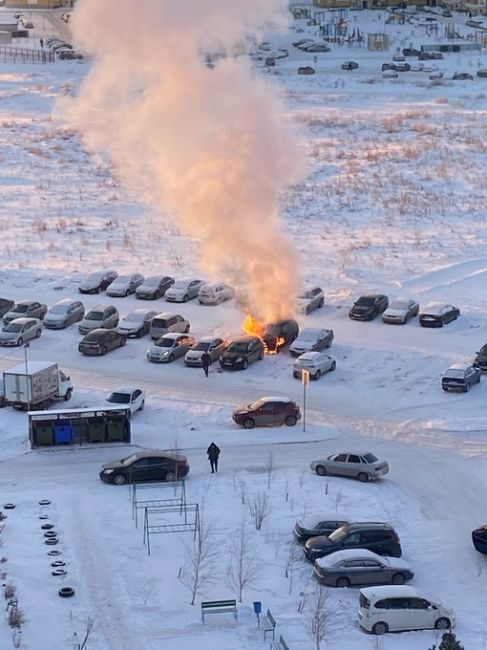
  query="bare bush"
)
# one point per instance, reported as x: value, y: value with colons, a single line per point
x: 293, y: 558
x: 16, y: 617
x: 9, y: 591
x: 321, y: 616
x: 269, y: 469
x: 244, y: 566
x: 258, y: 508
x: 201, y: 556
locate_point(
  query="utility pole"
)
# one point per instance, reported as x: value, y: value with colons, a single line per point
x: 27, y: 382
x: 305, y: 382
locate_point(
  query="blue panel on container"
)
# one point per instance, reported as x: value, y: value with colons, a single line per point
x: 63, y: 432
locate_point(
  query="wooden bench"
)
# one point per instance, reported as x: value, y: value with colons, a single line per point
x: 268, y: 625
x: 279, y: 645
x: 219, y: 607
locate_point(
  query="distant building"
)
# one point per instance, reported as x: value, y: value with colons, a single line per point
x: 369, y: 4
x: 34, y: 4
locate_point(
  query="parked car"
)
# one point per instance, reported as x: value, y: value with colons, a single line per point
x: 425, y: 56
x: 398, y: 57
x: 279, y: 334
x: 479, y: 539
x: 70, y: 55
x: 358, y: 567
x: 184, y: 290
x: 303, y: 41
x: 20, y: 330
x: 215, y: 293
x: 365, y: 466
x: 375, y: 536
x: 100, y: 341
x: 148, y: 465
x: 437, y: 314
x: 369, y: 306
x: 241, y: 352
x: 166, y: 322
x: 460, y: 377
x: 482, y: 73
x: 124, y: 285
x: 5, y: 306
x: 386, y: 67
x: 316, y: 526
x: 311, y: 339
x: 316, y: 363
x: 25, y: 309
x: 105, y: 316
x: 154, y: 287
x: 267, y: 411
x: 170, y: 347
x: 480, y: 360
x: 310, y: 299
x: 403, y: 67
x: 396, y: 608
x: 64, y: 313
x: 129, y: 397
x: 462, y: 76
x: 436, y: 55
x: 136, y: 323
x: 211, y: 344
x: 316, y: 47
x: 400, y: 310
x: 349, y: 65
x: 410, y: 51
x: 97, y: 281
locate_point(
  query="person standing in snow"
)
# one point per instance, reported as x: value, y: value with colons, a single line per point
x: 205, y: 362
x: 42, y: 42
x: 213, y: 453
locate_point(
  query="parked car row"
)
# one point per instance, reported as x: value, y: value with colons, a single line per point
x: 400, y: 310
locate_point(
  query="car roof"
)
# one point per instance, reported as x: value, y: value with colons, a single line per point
x: 25, y: 302
x: 460, y: 366
x: 312, y: 355
x: 213, y: 285
x: 372, y: 295
x: 140, y: 312
x: 158, y: 452
x: 368, y: 524
x: 166, y: 314
x: 401, y: 299
x: 347, y: 554
x: 208, y: 339
x: 173, y: 335
x: 431, y: 306
x: 311, y: 330
x: 65, y: 301
x: 125, y: 389
x: 99, y: 308
x: 22, y: 320
x: 275, y: 398
x: 354, y: 452
x: 245, y: 339
x: 390, y: 591
x: 99, y: 330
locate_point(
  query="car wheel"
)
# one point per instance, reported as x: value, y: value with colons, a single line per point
x: 119, y: 479
x: 467, y: 388
x: 245, y: 364
x: 343, y: 582
x: 20, y: 341
x: 185, y: 298
x: 249, y: 423
x: 68, y: 395
x: 186, y: 329
x: 261, y: 355
x: 291, y: 420
x: 333, y: 366
x: 398, y: 579
x: 170, y: 476
x: 321, y: 303
x: 442, y: 624
x: 363, y: 477
x: 139, y: 334
x: 317, y: 375
x: 127, y: 293
x: 123, y: 341
x: 141, y: 407
x: 98, y: 289
x: 103, y: 351
x: 380, y: 628
x: 38, y: 333
x: 320, y: 470
x: 171, y: 358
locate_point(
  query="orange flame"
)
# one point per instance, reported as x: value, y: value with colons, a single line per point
x: 252, y: 327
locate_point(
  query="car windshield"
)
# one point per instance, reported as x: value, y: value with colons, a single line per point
x: 365, y: 301
x: 305, y: 362
x: 20, y: 309
x: 307, y: 336
x: 238, y: 347
x: 483, y: 350
x: 95, y: 336
x: 180, y: 284
x: 272, y: 329
x: 152, y: 281
x: 159, y: 322
x: 257, y: 404
x: 58, y: 309
x: 398, y: 304
x: 306, y: 295
x: 95, y: 315
x: 94, y: 276
x: 134, y: 317
x: 13, y: 327
x: 339, y: 534
x: 455, y: 373
x: 119, y: 398
x: 164, y: 343
x: 128, y: 459
x: 122, y: 278
x: 370, y: 458
x: 202, y: 346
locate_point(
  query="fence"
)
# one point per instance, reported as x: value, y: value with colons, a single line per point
x: 25, y: 55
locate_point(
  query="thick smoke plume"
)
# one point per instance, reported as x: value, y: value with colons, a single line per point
x: 210, y: 145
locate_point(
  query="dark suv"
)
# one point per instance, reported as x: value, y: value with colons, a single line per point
x: 267, y: 411
x: 377, y: 537
x: 369, y: 306
x: 481, y: 358
x: 277, y: 335
x: 241, y: 352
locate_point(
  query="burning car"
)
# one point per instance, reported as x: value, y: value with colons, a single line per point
x: 273, y: 335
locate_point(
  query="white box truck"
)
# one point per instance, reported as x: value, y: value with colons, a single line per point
x: 36, y: 385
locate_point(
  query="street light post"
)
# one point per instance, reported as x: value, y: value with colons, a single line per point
x: 27, y: 345
x: 305, y: 382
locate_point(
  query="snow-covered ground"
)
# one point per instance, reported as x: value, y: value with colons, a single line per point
x: 394, y: 202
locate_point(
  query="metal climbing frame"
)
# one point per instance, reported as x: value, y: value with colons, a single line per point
x: 138, y: 500
x: 191, y: 523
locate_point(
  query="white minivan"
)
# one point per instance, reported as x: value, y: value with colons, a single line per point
x: 216, y: 293
x: 395, y: 608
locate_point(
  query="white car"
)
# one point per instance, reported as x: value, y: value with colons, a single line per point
x: 400, y: 311
x: 97, y: 281
x: 216, y: 293
x: 137, y: 322
x: 214, y: 346
x: 20, y: 330
x: 64, y: 313
x: 170, y: 347
x: 124, y: 285
x: 316, y: 363
x: 395, y: 608
x: 132, y: 398
x: 310, y: 299
x: 184, y: 290
x: 311, y: 339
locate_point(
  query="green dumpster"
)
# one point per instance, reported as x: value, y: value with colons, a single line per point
x: 96, y: 431
x: 115, y: 430
x: 44, y: 433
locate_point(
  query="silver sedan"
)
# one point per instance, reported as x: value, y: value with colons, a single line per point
x: 316, y: 363
x: 365, y: 467
x: 400, y: 311
x: 20, y: 330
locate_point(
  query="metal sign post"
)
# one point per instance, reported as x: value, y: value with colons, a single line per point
x: 305, y: 382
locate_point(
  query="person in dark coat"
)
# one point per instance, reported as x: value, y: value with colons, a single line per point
x: 205, y: 362
x: 42, y: 42
x: 213, y: 453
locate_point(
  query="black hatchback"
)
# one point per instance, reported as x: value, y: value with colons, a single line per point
x: 369, y: 306
x: 241, y: 352
x: 277, y: 335
x: 100, y: 341
x: 480, y: 360
x: 317, y: 527
x: 151, y: 465
x: 374, y: 536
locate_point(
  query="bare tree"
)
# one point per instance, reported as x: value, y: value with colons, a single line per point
x: 338, y: 500
x: 269, y: 469
x: 294, y: 556
x: 243, y: 492
x: 201, y: 555
x: 321, y: 616
x: 244, y: 566
x: 258, y: 508
x: 90, y: 625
